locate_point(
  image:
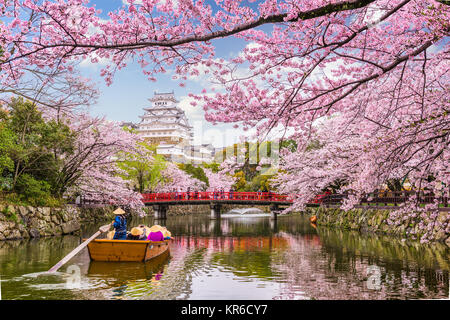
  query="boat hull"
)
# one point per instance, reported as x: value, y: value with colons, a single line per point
x: 126, y: 250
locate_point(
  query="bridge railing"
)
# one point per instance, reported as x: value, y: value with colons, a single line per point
x: 211, y: 196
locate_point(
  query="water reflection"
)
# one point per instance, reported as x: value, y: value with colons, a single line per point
x: 130, y: 279
x: 238, y: 258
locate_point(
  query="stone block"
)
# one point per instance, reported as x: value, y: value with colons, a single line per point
x: 70, y: 226
x: 46, y: 211
x: 34, y: 233
x: 23, y: 211
x: 55, y: 219
x: 4, y: 225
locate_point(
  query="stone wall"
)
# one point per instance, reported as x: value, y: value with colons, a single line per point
x: 421, y: 226
x: 20, y: 222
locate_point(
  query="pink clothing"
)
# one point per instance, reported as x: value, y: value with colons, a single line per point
x: 156, y: 236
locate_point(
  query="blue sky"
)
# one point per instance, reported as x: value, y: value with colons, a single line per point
x: 125, y: 99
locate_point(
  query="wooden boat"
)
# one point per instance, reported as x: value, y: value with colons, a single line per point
x: 126, y: 250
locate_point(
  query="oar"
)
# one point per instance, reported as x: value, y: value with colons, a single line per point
x: 79, y: 248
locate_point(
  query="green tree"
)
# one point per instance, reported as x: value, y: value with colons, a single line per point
x: 213, y: 166
x: 241, y: 182
x: 195, y: 172
x: 143, y: 168
x: 7, y: 139
x: 31, y: 148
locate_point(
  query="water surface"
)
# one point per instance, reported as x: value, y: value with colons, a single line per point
x: 244, y: 256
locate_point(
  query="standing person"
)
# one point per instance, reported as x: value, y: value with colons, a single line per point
x: 230, y: 194
x: 120, y: 225
x: 174, y: 194
x: 188, y: 193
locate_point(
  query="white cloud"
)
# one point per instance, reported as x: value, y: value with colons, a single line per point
x: 101, y: 62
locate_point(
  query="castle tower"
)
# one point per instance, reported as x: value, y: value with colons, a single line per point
x: 166, y: 125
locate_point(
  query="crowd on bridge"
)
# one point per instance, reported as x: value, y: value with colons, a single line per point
x: 216, y: 194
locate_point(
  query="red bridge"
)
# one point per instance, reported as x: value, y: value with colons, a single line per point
x: 161, y: 201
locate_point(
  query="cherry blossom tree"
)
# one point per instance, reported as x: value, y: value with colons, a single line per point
x: 91, y: 168
x: 176, y: 179
x: 55, y: 89
x: 380, y: 65
x: 219, y: 180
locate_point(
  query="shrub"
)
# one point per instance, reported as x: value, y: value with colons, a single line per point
x: 35, y: 192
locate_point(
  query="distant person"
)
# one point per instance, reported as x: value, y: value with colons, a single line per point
x: 188, y: 193
x: 120, y: 225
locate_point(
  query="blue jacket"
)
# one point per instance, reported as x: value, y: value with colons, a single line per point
x: 120, y: 224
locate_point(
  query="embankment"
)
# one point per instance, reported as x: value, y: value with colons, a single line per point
x: 423, y: 226
x: 23, y: 222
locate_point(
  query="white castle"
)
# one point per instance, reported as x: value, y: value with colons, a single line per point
x: 166, y: 125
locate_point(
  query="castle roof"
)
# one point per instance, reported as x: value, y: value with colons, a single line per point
x: 164, y: 96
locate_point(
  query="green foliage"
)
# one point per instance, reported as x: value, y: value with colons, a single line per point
x: 7, y: 139
x: 259, y: 183
x: 195, y: 172
x: 289, y: 144
x: 241, y: 182
x: 35, y: 192
x: 143, y: 169
x: 30, y: 153
x: 213, y: 166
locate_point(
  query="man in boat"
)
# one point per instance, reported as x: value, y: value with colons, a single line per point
x: 120, y: 225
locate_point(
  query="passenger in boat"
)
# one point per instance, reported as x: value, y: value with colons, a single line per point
x: 120, y: 225
x: 136, y: 234
x: 156, y: 233
x: 166, y: 233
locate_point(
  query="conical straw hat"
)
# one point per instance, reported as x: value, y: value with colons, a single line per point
x: 137, y: 231
x: 119, y: 211
x: 156, y: 228
x: 166, y: 233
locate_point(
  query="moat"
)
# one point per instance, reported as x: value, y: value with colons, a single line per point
x: 237, y: 257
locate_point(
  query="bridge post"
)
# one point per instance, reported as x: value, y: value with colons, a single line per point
x: 160, y: 211
x: 274, y: 211
x: 215, y: 210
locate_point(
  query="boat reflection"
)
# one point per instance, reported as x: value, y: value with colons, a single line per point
x: 130, y: 279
